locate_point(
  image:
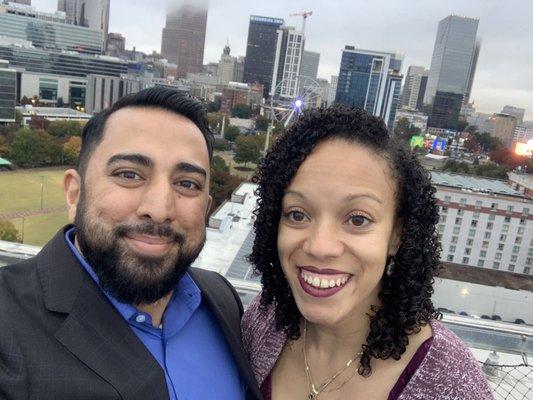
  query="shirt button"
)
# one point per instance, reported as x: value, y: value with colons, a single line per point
x: 140, y: 318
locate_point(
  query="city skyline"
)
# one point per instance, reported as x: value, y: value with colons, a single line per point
x: 406, y: 27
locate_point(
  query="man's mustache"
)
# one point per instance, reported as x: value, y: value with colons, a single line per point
x: 149, y: 228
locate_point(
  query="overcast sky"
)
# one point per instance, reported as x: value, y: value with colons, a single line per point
x: 504, y: 67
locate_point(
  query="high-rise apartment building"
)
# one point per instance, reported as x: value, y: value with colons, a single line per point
x: 333, y: 89
x: 452, y: 70
x: 92, y: 14
x: 8, y: 93
x: 310, y: 61
x: 517, y: 112
x: 414, y: 87
x: 504, y: 127
x: 116, y: 44
x: 370, y: 80
x: 287, y: 62
x: 261, y: 51
x: 183, y: 37
x: 229, y: 68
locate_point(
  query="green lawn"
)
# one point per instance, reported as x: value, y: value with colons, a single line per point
x: 22, y: 191
x: 232, y: 164
x: 39, y: 229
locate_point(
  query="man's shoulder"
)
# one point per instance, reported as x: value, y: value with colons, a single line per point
x: 18, y: 273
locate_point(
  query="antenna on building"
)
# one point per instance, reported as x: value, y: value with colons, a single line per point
x: 304, y: 15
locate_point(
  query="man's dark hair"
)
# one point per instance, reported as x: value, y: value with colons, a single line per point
x: 157, y: 97
x: 405, y: 295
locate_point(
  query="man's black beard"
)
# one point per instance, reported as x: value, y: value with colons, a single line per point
x: 127, y: 276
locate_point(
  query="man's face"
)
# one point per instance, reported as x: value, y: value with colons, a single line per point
x: 141, y: 206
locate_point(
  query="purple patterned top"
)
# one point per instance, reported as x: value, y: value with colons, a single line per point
x: 448, y: 370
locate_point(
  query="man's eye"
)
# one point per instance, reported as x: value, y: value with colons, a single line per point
x: 130, y: 175
x: 295, y: 216
x: 358, y: 220
x: 189, y: 185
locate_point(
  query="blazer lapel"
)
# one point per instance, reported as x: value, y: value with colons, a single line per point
x: 231, y: 330
x: 94, y: 331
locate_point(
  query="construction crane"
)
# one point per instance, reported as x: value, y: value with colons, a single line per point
x: 303, y: 14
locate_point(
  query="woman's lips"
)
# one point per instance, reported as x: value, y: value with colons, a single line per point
x: 322, y: 282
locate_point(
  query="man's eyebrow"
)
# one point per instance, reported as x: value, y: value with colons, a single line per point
x: 188, y: 167
x: 138, y: 159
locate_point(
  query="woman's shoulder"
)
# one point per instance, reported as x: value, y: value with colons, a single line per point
x: 449, y: 370
x: 262, y: 342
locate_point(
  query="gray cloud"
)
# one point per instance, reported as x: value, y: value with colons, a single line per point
x: 503, y: 73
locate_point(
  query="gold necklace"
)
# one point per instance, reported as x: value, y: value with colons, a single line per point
x: 314, y: 390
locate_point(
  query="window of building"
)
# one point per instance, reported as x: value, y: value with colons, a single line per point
x: 476, y: 215
x: 468, y: 250
x: 527, y: 270
x: 525, y: 211
x: 490, y: 225
x: 505, y: 228
x: 522, y: 221
x: 456, y: 230
x: 516, y: 249
x: 487, y: 235
x: 440, y: 237
x: 480, y: 263
x: 498, y: 256
x: 485, y: 244
x: 496, y: 265
x: 450, y: 258
x: 483, y: 253
x: 529, y: 261
x: 441, y: 228
x: 447, y: 199
x: 500, y: 246
x: 462, y: 201
x: 520, y: 231
x: 492, y: 217
x: 458, y: 221
x: 503, y: 238
x: 507, y: 220
x: 473, y: 223
x: 530, y: 252
x: 451, y: 249
x: 465, y: 260
x: 514, y: 257
x: 494, y: 206
x: 511, y: 268
x: 472, y: 233
x: 442, y: 218
x: 444, y: 210
x: 469, y: 242
x: 518, y: 240
x: 460, y: 212
x: 454, y: 239
x: 479, y: 203
x: 510, y: 209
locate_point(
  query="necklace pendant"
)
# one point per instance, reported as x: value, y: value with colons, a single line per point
x: 313, y: 394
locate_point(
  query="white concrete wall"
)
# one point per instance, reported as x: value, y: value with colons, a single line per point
x: 480, y: 299
x: 29, y: 84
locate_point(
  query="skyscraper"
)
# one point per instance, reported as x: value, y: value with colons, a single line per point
x: 261, y: 50
x: 92, y: 14
x: 310, y: 61
x: 183, y: 37
x: 287, y: 61
x: 370, y: 80
x: 452, y: 70
x: 414, y: 87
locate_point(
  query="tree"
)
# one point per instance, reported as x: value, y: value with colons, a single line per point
x: 71, y: 150
x: 4, y: 147
x: 462, y: 125
x: 25, y: 101
x: 247, y: 149
x: 214, y: 106
x: 218, y: 164
x: 214, y: 120
x: 222, y: 186
x: 38, y: 122
x: 65, y: 128
x: 261, y: 123
x: 471, y: 143
x: 279, y: 129
x: 241, y: 110
x: 221, y: 144
x: 471, y: 129
x: 231, y: 133
x: 405, y: 130
x: 19, y: 118
x: 8, y: 232
x: 25, y: 148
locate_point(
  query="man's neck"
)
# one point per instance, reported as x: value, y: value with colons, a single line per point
x: 155, y: 309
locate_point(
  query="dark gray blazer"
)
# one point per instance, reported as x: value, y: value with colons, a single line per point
x: 61, y: 339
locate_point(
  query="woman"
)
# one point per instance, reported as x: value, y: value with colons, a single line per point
x: 347, y: 249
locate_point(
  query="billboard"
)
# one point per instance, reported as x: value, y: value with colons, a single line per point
x: 439, y: 144
x: 417, y: 141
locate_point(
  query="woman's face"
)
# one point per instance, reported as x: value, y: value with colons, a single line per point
x: 336, y: 230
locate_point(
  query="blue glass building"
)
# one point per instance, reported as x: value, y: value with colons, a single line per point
x: 370, y: 80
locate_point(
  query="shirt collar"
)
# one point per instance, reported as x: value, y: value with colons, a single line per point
x: 186, y: 292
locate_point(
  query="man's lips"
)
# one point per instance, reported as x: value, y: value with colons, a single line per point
x: 149, y: 245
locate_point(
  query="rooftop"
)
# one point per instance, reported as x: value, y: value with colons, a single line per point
x: 473, y: 183
x: 52, y: 112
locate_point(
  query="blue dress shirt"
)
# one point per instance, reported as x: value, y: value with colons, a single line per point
x: 190, y: 347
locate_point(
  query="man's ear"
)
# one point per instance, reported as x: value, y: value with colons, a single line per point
x: 208, y: 209
x: 72, y: 190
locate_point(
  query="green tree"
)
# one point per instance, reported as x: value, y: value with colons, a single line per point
x: 218, y: 164
x: 19, y: 118
x: 279, y: 129
x: 231, y: 133
x: 214, y: 120
x: 214, y: 106
x: 71, y: 150
x: 462, y: 125
x: 221, y: 144
x: 405, y: 130
x: 222, y: 186
x: 26, y: 148
x: 471, y: 143
x: 241, y: 110
x: 261, y: 123
x: 65, y: 128
x: 247, y: 149
x: 8, y: 232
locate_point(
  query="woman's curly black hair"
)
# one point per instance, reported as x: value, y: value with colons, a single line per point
x: 406, y: 294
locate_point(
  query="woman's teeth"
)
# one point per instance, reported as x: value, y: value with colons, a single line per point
x: 322, y: 281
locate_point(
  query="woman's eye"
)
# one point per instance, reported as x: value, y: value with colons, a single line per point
x: 358, y: 220
x: 129, y: 175
x: 296, y: 216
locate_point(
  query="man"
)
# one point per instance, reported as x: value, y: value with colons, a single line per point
x: 109, y: 309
